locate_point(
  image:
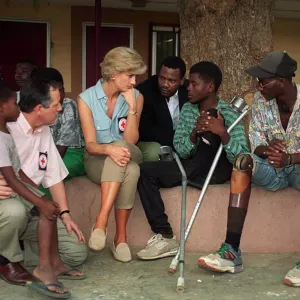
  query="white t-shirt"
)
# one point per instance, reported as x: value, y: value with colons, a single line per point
x: 8, y: 153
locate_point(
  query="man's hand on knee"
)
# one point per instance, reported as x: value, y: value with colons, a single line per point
x: 5, y: 191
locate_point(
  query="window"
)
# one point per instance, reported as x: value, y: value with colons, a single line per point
x: 23, y: 39
x: 165, y: 42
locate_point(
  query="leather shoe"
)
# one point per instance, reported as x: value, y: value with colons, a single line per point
x: 14, y: 273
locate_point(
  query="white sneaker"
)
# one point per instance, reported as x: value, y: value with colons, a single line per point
x: 159, y: 247
x: 292, y: 278
x: 226, y: 259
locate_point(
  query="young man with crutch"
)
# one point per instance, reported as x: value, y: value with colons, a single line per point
x: 274, y: 163
x: 197, y: 139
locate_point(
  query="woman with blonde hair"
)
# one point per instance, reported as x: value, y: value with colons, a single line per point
x: 110, y: 114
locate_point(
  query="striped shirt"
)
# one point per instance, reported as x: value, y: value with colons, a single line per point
x: 188, y: 117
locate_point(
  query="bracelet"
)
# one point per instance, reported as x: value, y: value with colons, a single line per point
x: 132, y: 112
x: 64, y: 212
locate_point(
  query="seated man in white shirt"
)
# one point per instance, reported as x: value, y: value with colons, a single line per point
x: 42, y: 163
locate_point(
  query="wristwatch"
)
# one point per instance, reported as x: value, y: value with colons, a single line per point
x: 132, y: 112
x: 64, y: 212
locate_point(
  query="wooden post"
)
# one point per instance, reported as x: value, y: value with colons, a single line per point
x: 98, y: 21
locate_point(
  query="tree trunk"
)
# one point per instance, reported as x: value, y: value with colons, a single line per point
x: 235, y: 34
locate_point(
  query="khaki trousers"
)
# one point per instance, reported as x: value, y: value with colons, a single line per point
x: 16, y: 223
x: 150, y: 151
x: 102, y: 169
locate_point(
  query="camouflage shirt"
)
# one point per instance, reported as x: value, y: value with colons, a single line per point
x: 67, y: 130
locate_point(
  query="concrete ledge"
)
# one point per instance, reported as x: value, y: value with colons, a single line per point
x: 272, y: 223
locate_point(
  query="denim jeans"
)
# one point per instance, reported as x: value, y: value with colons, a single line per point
x: 270, y: 178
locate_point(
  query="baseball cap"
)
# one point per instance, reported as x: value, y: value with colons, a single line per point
x: 275, y: 64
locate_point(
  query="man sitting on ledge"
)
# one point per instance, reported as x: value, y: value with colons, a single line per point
x: 274, y: 163
x: 197, y: 139
x: 164, y: 95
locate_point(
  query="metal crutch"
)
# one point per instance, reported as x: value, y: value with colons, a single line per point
x: 240, y: 106
x: 167, y: 153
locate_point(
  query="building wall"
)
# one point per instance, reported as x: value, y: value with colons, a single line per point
x: 286, y: 37
x: 140, y: 21
x: 59, y: 17
x: 66, y: 33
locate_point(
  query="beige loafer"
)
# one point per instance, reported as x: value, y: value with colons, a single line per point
x: 97, y: 239
x: 121, y: 253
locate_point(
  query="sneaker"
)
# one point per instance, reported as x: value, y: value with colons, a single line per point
x: 226, y: 259
x: 159, y: 247
x: 292, y: 278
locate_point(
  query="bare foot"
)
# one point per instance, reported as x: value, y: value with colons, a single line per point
x: 47, y: 275
x: 60, y: 268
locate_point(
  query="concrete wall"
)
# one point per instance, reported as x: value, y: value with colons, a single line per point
x: 271, y: 225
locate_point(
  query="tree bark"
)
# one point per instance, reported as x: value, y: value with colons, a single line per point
x: 235, y: 34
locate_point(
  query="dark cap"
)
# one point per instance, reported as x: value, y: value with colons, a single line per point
x: 275, y: 64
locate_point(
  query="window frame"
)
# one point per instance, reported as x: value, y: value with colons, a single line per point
x: 154, y: 28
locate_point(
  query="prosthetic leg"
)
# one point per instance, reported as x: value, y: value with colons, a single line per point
x: 240, y: 190
x: 240, y: 187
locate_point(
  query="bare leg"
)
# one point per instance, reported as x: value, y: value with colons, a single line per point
x: 121, y: 217
x: 109, y: 191
x: 45, y: 269
x: 58, y: 265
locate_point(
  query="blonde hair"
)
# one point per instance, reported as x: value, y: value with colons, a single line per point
x: 122, y: 59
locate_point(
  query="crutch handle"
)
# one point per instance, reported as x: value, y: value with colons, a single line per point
x: 173, y: 265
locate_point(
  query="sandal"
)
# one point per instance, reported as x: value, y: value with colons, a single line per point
x: 43, y: 289
x: 66, y: 275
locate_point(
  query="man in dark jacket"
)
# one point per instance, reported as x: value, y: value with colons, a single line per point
x: 164, y: 95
